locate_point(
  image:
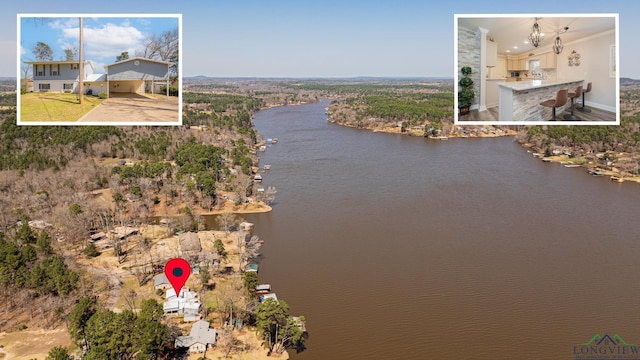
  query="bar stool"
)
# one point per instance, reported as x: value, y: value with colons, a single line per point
x: 561, y: 99
x: 582, y: 108
x: 574, y: 96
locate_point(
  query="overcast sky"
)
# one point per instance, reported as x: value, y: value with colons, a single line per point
x: 314, y: 39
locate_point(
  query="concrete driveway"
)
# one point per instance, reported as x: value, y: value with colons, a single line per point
x: 135, y: 108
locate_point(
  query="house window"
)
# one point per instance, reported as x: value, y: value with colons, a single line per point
x: 44, y: 86
x: 67, y: 86
x: 40, y: 73
x: 54, y: 73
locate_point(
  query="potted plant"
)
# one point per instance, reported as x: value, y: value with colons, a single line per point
x: 465, y: 91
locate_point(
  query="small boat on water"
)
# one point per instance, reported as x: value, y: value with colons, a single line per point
x: 595, y: 172
x: 262, y: 148
x: 274, y: 140
x: 536, y: 154
x: 546, y: 159
x: 267, y: 167
x: 269, y: 141
x: 571, y: 165
x: 263, y: 289
x: 617, y: 179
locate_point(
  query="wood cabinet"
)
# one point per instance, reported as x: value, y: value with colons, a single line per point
x: 492, y: 54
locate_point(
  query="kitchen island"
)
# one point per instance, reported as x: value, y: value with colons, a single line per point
x: 520, y: 100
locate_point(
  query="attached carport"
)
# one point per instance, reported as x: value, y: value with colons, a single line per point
x: 137, y: 74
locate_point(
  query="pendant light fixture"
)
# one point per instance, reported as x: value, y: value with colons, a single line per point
x: 558, y: 45
x: 536, y: 36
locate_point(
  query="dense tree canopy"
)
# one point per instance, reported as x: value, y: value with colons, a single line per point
x: 125, y: 335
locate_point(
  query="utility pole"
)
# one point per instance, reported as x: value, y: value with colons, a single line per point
x: 81, y: 68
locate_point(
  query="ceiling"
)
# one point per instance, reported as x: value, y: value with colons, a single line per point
x: 513, y: 30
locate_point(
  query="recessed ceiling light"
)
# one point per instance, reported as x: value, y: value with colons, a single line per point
x: 515, y: 47
x: 526, y: 42
x: 541, y: 34
x: 508, y: 50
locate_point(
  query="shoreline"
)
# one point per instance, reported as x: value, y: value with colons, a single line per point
x: 580, y: 162
x: 420, y: 133
x: 559, y: 159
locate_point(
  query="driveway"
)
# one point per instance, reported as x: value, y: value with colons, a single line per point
x: 135, y: 108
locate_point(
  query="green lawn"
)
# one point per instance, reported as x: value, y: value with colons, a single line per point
x: 50, y: 106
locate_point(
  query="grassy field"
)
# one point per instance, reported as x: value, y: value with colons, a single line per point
x: 49, y: 106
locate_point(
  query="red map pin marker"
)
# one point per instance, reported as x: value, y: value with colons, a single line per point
x: 177, y: 272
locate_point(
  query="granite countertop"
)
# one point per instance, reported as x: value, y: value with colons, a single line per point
x: 535, y: 84
x: 496, y: 79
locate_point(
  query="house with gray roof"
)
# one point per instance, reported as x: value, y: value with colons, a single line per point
x: 160, y: 281
x: 137, y: 75
x: 200, y: 338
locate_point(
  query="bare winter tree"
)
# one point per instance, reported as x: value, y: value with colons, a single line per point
x: 164, y: 47
x: 227, y: 220
x: 249, y: 249
x: 226, y: 342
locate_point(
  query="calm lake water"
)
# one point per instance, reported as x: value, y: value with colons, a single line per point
x: 396, y: 247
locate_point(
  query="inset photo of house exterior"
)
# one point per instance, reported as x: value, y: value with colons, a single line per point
x: 98, y: 69
x: 534, y: 69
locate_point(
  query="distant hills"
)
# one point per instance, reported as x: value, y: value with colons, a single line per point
x: 354, y: 78
x: 629, y: 81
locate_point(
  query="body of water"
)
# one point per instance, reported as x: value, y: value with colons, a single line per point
x: 398, y: 247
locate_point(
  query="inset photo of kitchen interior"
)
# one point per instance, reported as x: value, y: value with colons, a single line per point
x: 556, y: 69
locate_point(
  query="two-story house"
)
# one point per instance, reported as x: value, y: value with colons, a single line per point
x: 61, y: 76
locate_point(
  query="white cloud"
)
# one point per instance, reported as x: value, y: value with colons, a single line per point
x: 108, y: 40
x: 64, y: 23
x: 22, y: 50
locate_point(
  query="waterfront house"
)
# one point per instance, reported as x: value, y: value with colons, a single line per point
x: 201, y: 338
x: 123, y: 232
x: 161, y: 282
x: 184, y: 303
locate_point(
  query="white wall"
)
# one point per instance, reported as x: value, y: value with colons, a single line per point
x: 594, y: 67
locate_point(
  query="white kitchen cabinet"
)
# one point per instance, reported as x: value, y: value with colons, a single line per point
x: 492, y: 99
x: 550, y: 61
x: 498, y: 71
x: 522, y: 64
x: 491, y: 54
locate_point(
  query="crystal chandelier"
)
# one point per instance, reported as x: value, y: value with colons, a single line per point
x: 536, y: 35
